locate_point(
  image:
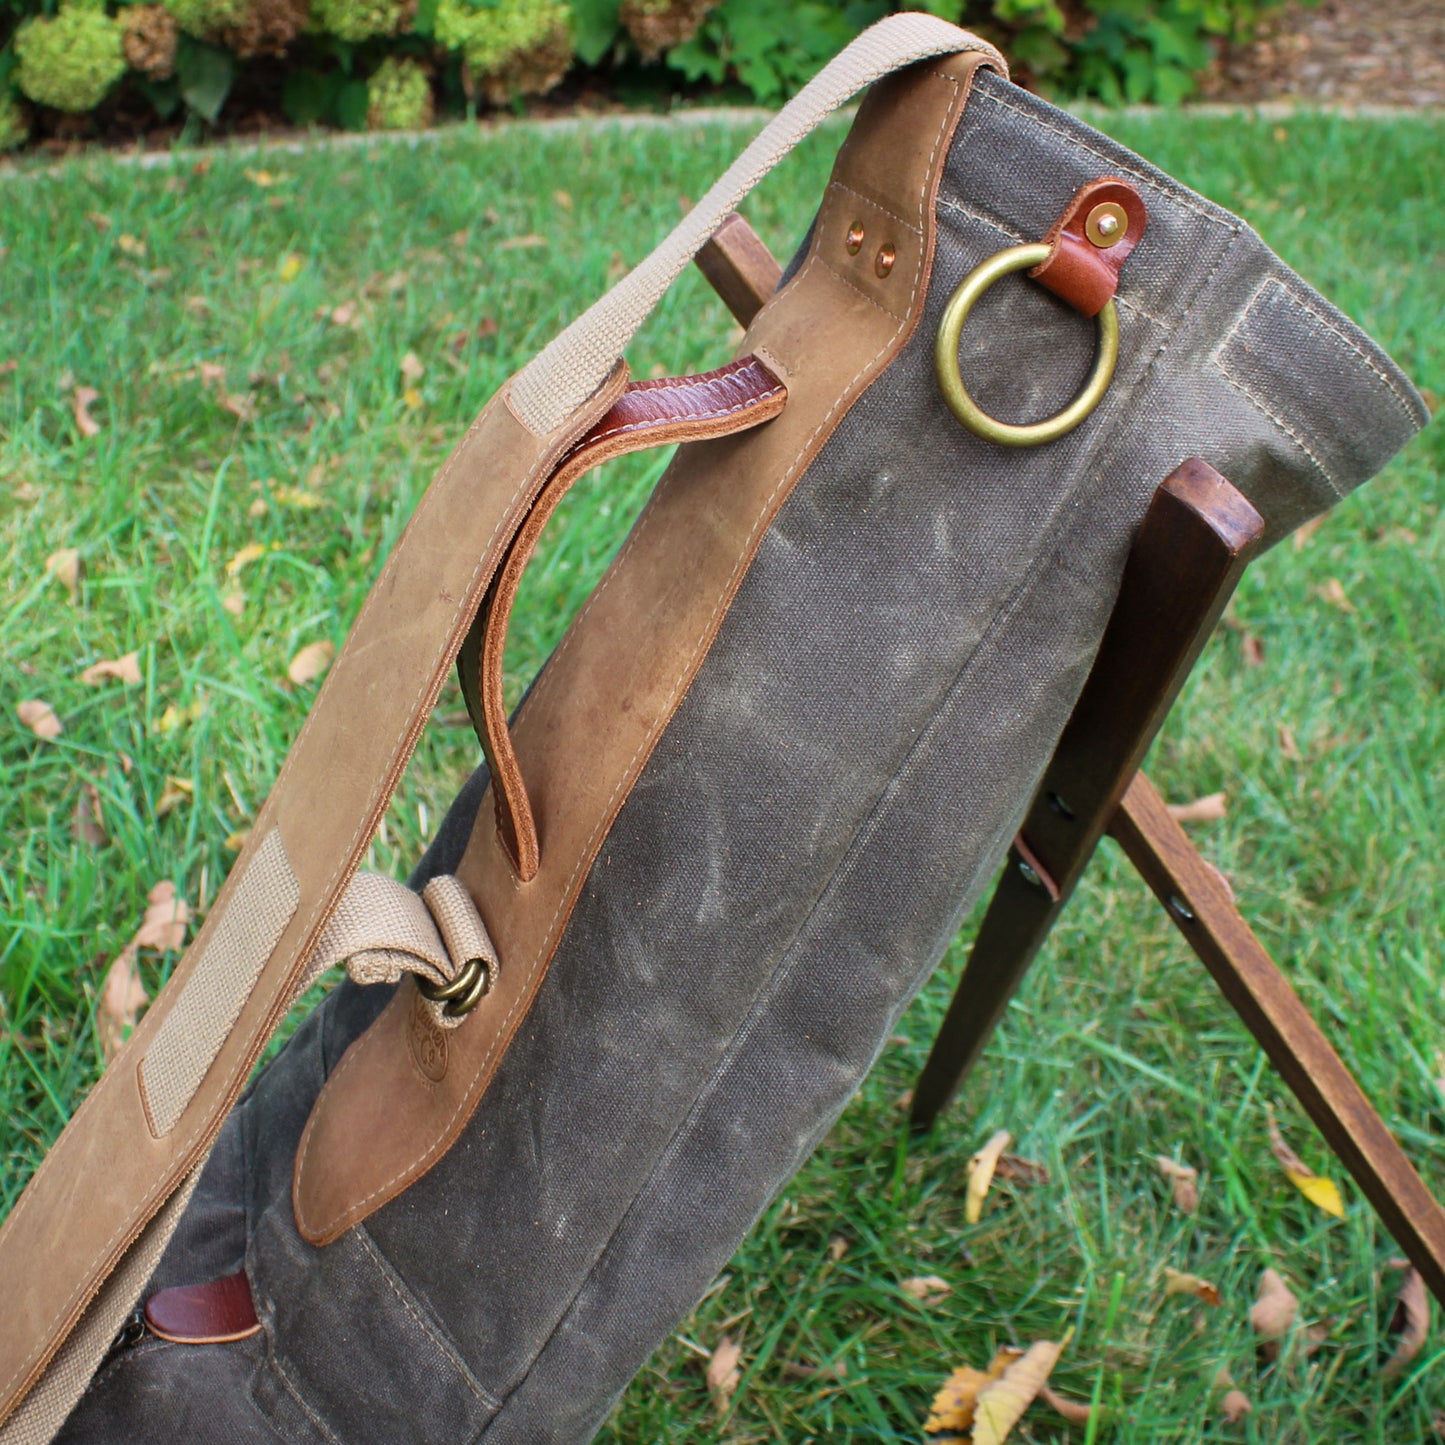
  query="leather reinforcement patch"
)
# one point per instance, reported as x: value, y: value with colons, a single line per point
x: 184, y: 1047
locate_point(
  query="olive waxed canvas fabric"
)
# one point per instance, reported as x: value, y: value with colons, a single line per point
x: 843, y: 775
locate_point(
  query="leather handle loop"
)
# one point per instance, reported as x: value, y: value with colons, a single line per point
x: 656, y: 413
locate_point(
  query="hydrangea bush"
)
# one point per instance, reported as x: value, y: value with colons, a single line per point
x: 392, y: 63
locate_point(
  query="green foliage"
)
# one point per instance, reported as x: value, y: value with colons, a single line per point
x: 770, y: 50
x: 492, y: 34
x: 358, y: 20
x: 69, y: 60
x: 1115, y: 50
x: 204, y: 18
x: 398, y: 96
x: 14, y: 125
x: 205, y: 73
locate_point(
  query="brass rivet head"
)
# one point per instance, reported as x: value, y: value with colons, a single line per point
x: 1107, y: 225
x: 883, y: 262
x: 855, y: 238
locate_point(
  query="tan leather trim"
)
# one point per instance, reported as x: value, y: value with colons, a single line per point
x: 651, y: 413
x: 108, y: 1174
x: 594, y: 716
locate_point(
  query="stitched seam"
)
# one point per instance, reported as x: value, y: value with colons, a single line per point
x: 852, y: 285
x: 675, y: 417
x: 88, y: 1289
x: 290, y: 1387
x: 878, y: 205
x: 1241, y: 386
x: 1276, y: 285
x: 1179, y: 197
x: 427, y: 1327
x: 585, y: 858
x: 947, y: 204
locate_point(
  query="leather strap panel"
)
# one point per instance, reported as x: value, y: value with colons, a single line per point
x: 591, y: 720
x: 1083, y: 272
x: 204, y: 1314
x: 648, y: 414
x: 109, y: 1174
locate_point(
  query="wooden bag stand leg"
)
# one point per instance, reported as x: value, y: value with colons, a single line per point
x: 1190, y: 551
x: 1192, y: 547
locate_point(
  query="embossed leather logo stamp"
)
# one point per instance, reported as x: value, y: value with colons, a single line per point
x: 428, y: 1041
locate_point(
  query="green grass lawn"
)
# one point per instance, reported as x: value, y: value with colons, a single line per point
x: 246, y: 323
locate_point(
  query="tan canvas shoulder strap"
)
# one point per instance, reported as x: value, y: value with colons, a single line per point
x: 98, y: 1208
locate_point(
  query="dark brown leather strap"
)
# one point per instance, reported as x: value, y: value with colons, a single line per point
x: 1091, y: 241
x: 204, y: 1314
x: 648, y: 414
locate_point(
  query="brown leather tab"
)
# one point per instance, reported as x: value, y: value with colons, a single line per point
x: 1083, y: 266
x: 648, y: 414
x: 204, y: 1314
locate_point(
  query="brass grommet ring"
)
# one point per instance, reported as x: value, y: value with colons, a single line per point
x: 945, y: 357
x: 461, y: 994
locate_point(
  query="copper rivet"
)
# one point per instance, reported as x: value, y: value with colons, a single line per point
x: 885, y: 259
x: 1107, y: 225
x: 855, y: 238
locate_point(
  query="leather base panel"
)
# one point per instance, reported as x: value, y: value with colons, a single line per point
x: 591, y: 721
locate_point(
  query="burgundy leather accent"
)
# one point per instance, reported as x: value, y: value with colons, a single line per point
x: 655, y: 413
x: 1084, y: 274
x: 204, y: 1314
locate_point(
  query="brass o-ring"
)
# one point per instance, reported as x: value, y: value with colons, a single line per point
x: 945, y: 357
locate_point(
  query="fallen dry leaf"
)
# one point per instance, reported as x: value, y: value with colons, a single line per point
x: 1076, y: 1412
x: 1002, y: 1403
x: 310, y: 662
x: 1275, y: 1309
x: 86, y: 824
x: 1253, y: 650
x: 234, y: 602
x: 124, y: 669
x: 64, y: 566
x: 131, y: 245
x: 175, y: 792
x: 166, y: 917
x: 1333, y: 592
x: 522, y: 243
x: 122, y: 997
x: 343, y: 315
x: 1176, y: 1282
x: 927, y: 1289
x: 795, y: 1370
x: 40, y: 718
x: 1235, y: 1406
x: 251, y: 552
x: 837, y: 1247
x: 412, y: 369
x: 81, y: 401
x: 1288, y: 747
x: 563, y: 199
x: 1306, y: 530
x: 1018, y: 1170
x: 1185, y: 1181
x: 1323, y: 1193
x: 177, y: 717
x: 1208, y: 809
x: 953, y: 1407
x: 980, y: 1174
x: 1411, y: 1320
x: 723, y: 1373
